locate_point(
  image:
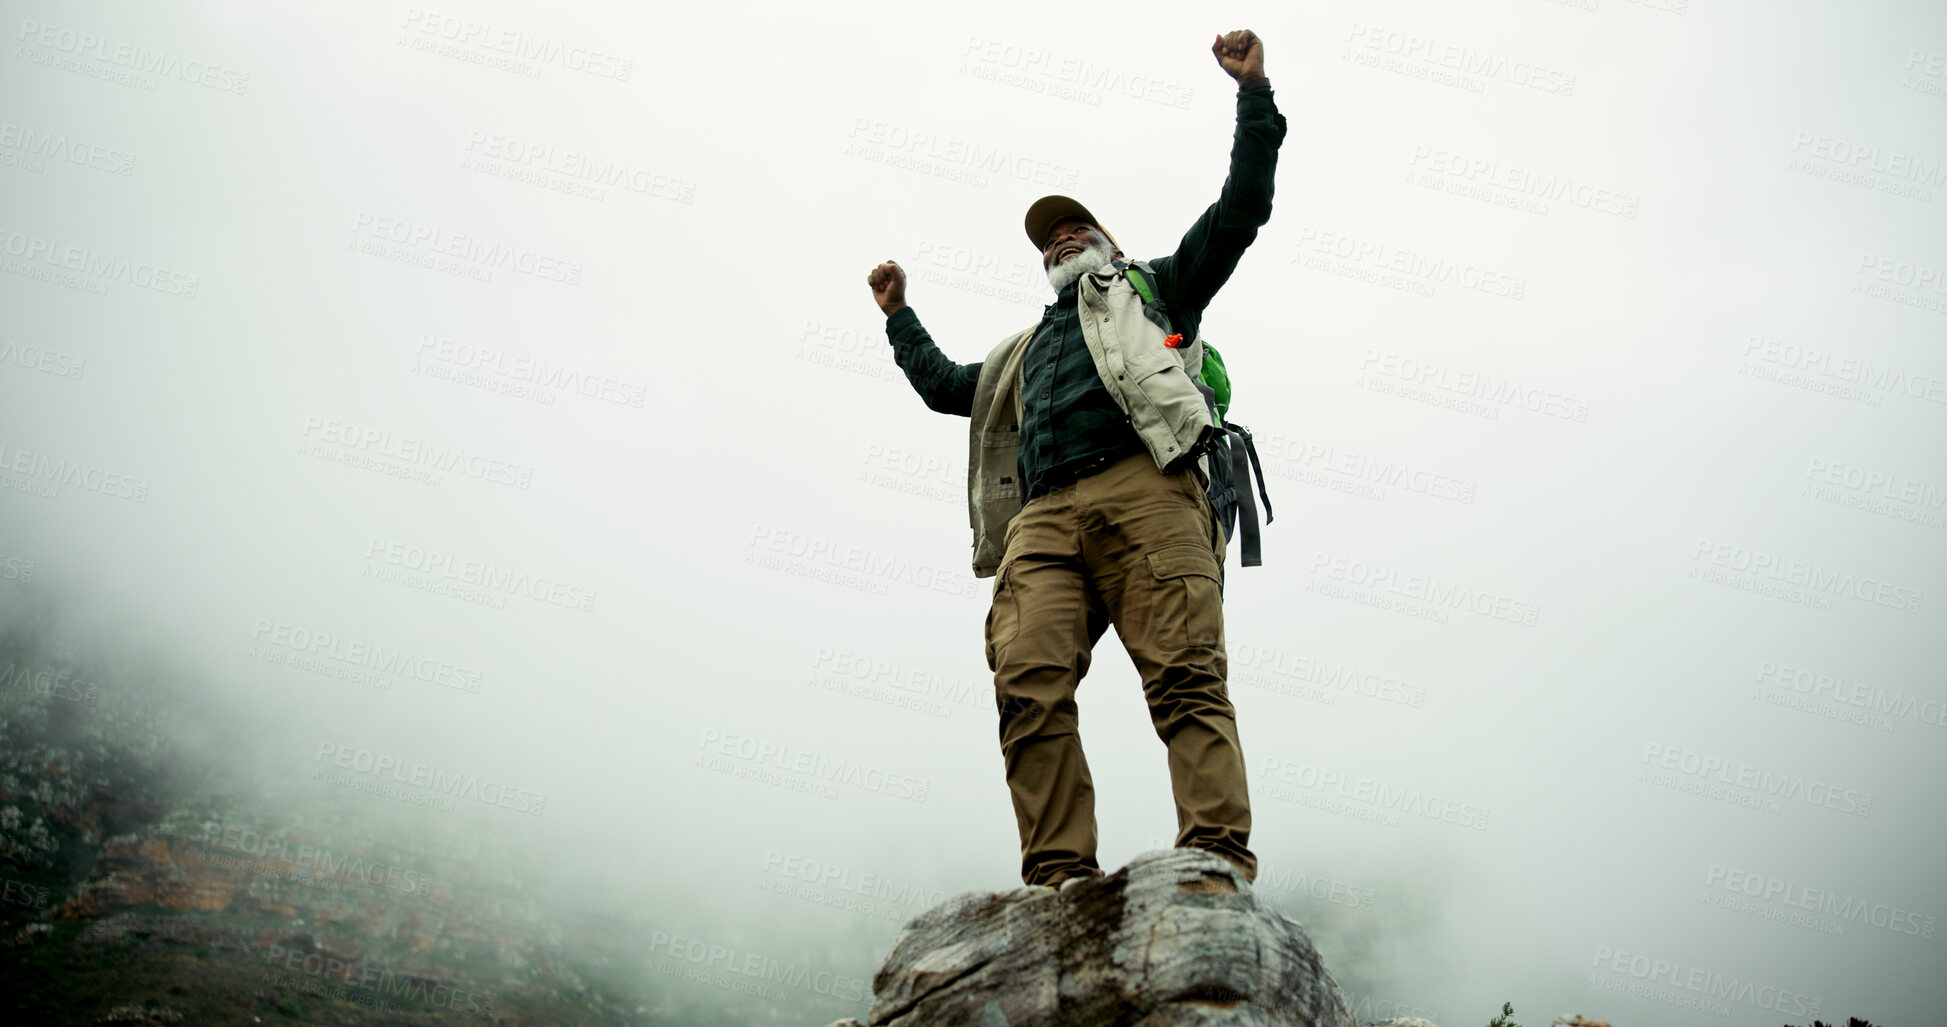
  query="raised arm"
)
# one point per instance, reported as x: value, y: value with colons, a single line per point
x: 945, y: 386
x: 1209, y: 252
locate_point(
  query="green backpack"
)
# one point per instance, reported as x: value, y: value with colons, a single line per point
x: 1228, y: 467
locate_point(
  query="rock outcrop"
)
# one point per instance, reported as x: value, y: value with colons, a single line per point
x: 1173, y: 939
x: 136, y: 867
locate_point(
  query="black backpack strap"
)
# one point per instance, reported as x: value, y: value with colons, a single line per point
x: 1253, y: 551
x: 1255, y: 466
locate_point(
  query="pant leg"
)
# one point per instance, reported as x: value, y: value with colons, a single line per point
x: 1041, y: 630
x: 1156, y: 553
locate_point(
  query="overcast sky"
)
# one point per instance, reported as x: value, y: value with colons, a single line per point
x: 1594, y: 351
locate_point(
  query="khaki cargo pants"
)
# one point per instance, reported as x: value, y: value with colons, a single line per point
x: 1132, y: 547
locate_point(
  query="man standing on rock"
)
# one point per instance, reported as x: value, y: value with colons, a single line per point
x: 1091, y: 416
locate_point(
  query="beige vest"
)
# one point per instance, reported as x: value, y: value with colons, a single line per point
x: 1151, y: 382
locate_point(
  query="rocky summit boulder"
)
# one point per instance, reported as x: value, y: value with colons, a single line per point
x: 1174, y: 939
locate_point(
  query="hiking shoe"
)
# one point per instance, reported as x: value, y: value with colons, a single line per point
x: 1072, y: 879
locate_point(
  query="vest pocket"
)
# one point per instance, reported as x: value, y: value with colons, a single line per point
x: 1141, y: 365
x: 1188, y: 599
x: 1171, y: 393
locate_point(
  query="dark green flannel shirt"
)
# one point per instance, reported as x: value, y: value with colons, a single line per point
x: 1069, y: 417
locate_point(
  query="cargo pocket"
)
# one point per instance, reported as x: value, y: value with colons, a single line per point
x: 1188, y: 596
x: 1196, y: 486
x: 1003, y: 619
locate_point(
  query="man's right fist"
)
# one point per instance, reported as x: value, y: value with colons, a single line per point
x: 888, y: 282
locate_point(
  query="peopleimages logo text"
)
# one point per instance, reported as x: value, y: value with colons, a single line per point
x: 1425, y: 589
x: 315, y: 859
x: 1852, y: 692
x: 475, y: 572
x: 421, y: 775
x: 57, y: 470
x: 955, y: 152
x: 1063, y: 67
x: 1705, y: 982
x: 1758, y: 779
x: 1807, y: 575
x: 1374, y: 792
x: 434, y: 239
x: 358, y: 653
x: 62, y: 147
x: 408, y: 450
x: 1820, y: 900
x: 91, y: 263
x: 133, y: 56
x: 519, y: 44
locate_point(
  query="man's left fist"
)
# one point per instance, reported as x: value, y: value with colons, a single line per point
x: 1241, y: 53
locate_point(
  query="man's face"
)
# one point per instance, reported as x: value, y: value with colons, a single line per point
x: 1067, y: 238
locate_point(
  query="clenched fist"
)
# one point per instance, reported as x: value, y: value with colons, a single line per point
x: 1241, y: 53
x: 888, y: 282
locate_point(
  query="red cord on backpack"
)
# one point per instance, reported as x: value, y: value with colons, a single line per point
x: 1173, y: 340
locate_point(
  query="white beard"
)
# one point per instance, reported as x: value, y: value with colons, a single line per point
x: 1064, y: 274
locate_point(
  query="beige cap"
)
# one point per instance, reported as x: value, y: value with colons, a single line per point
x: 1047, y: 210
